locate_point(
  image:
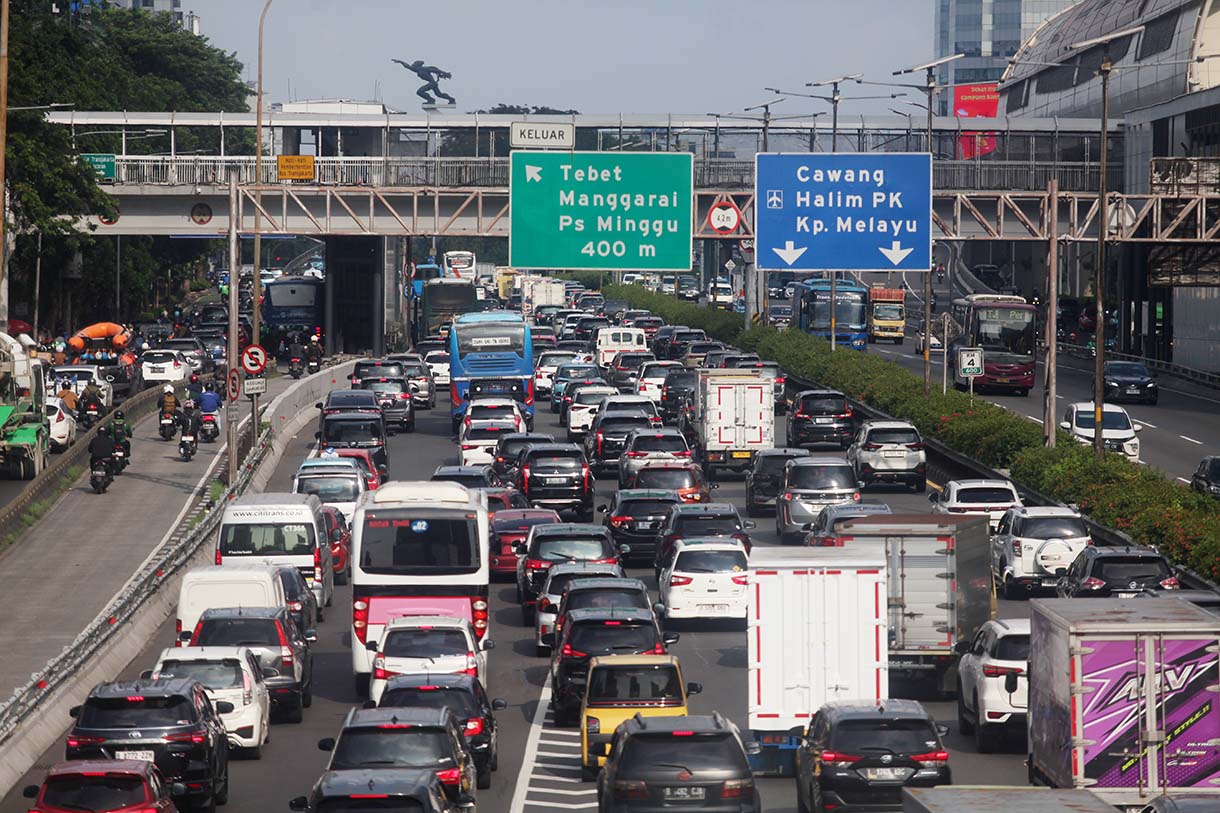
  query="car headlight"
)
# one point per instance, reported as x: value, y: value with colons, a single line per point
x: 1214, y: 489
x: 1150, y: 384
x: 1133, y: 446
x: 1111, y: 383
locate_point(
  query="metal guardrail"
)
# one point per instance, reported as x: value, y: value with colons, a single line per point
x: 710, y: 173
x: 1203, y: 377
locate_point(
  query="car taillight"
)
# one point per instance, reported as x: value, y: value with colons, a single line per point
x: 177, y: 363
x: 403, y: 396
x: 593, y: 725
x: 933, y: 759
x: 584, y: 470
x: 247, y: 689
x: 619, y: 521
x: 77, y: 741
x: 871, y: 447
x: 742, y: 579
x: 529, y: 393
x: 1092, y: 583
x: 379, y: 670
x: 177, y: 632
x: 682, y: 454
x: 1088, y: 541
x: 525, y: 479
x: 599, y: 442
x: 637, y: 455
x: 478, y: 616
x: 737, y: 788
x: 472, y: 665
x: 286, y: 659
x: 537, y: 564
x: 835, y: 758
x: 317, y: 564
x: 630, y: 789
x: 1016, y: 547
x: 664, y: 393
x: 450, y: 776
x: 196, y: 632
x: 990, y: 670
x: 679, y: 581
x: 59, y: 416
x: 454, y: 397
x: 568, y: 652
x: 915, y: 447
x: 474, y: 727
x: 360, y: 619
x: 194, y: 737
x: 295, y: 606
x: 1170, y: 584
x: 466, y: 447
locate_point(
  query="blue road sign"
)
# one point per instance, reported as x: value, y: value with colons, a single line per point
x: 851, y: 211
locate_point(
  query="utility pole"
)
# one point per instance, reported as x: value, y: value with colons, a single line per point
x: 234, y: 285
x: 1052, y: 314
x: 1099, y: 271
x: 3, y: 149
x: 256, y: 332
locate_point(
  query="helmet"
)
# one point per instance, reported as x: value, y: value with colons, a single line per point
x: 313, y: 339
x: 118, y: 415
x: 168, y: 389
x: 207, y: 387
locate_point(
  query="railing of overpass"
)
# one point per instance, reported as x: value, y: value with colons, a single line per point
x: 726, y: 174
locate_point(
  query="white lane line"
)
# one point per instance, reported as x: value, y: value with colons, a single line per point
x: 563, y: 792
x: 541, y: 777
x: 1183, y: 480
x: 1191, y: 440
x: 562, y: 732
x: 531, y: 749
x: 565, y: 805
x: 1035, y: 420
x: 1145, y: 423
x: 1059, y: 397
x: 554, y: 754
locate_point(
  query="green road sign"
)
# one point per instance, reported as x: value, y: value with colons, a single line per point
x: 601, y: 210
x: 970, y: 362
x: 102, y: 163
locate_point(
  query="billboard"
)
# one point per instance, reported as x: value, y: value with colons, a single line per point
x: 976, y: 101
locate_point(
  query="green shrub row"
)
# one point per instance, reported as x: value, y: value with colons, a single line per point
x: 1134, y: 499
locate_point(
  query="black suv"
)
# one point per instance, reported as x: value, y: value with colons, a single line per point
x: 861, y: 754
x: 660, y: 339
x: 374, y: 368
x: 602, y: 592
x: 608, y: 435
x: 302, y: 601
x: 556, y: 476
x: 1121, y: 572
x: 467, y: 699
x: 592, y: 632
x: 412, y: 789
x: 277, y: 642
x: 552, y: 544
x: 821, y: 416
x: 509, y: 445
x: 687, y: 521
x: 675, y: 390
x: 169, y: 722
x: 765, y: 477
x: 405, y: 738
x: 635, y: 514
x: 681, y: 339
x: 1206, y: 479
x: 698, y: 761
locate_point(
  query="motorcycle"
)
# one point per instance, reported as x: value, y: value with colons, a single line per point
x: 120, y: 460
x: 209, y: 430
x: 169, y: 426
x: 294, y: 369
x: 187, y: 447
x: 90, y: 415
x: 100, y: 476
x: 313, y: 366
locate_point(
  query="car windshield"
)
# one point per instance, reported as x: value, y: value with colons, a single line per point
x: 887, y: 311
x: 598, y: 637
x: 897, y: 435
x: 1109, y: 419
x: 425, y: 642
x: 136, y: 712
x: 267, y: 540
x: 556, y: 549
x: 659, y: 443
x: 1053, y: 528
x: 404, y: 541
x: 92, y: 792
x: 215, y: 674
x: 698, y: 753
x: 330, y: 489
x: 1213, y: 468
x: 1012, y: 648
x: 635, y: 686
x: 358, y: 804
x: 413, y: 747
x: 710, y: 561
x: 667, y: 479
x: 643, y: 508
x: 823, y: 405
x: 1127, y: 369
x: 709, y: 524
x: 822, y: 477
x: 884, y: 736
x: 460, y: 701
x: 1121, y: 569
x: 256, y: 632
x: 985, y: 495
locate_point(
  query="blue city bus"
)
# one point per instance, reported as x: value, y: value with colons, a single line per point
x: 493, y: 352
x: 424, y: 272
x: 292, y: 305
x: 851, y: 311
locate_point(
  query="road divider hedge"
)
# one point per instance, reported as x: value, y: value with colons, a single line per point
x: 1116, y: 493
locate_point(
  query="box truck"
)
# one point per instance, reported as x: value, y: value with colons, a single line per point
x: 731, y: 418
x: 816, y: 623
x: 1123, y: 698
x: 989, y: 799
x: 939, y: 587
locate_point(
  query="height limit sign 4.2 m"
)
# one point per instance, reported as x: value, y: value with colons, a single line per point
x: 843, y: 211
x: 601, y: 211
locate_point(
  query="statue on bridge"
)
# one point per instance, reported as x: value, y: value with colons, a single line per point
x: 431, y: 75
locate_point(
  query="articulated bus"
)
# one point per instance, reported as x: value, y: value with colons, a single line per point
x: 1005, y: 327
x: 493, y: 348
x: 418, y: 548
x: 811, y: 308
x: 460, y: 264
x: 444, y: 300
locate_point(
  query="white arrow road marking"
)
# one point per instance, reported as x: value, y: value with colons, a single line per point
x: 896, y: 253
x: 790, y: 253
x: 533, y: 173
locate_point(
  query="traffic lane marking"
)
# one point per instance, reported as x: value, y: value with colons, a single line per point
x: 1183, y: 480
x: 1191, y: 440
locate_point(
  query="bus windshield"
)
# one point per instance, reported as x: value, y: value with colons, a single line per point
x: 849, y: 309
x: 1006, y: 334
x: 401, y: 542
x: 491, y: 337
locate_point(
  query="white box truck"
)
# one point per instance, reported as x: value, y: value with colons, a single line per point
x: 816, y: 623
x: 939, y: 587
x: 989, y: 799
x: 1123, y: 698
x: 732, y: 417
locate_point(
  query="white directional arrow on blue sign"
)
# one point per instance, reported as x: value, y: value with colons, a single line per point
x: 790, y: 253
x: 896, y: 253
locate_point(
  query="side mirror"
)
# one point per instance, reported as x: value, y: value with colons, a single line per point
x: 1138, y: 427
x: 30, y: 791
x: 670, y: 638
x: 146, y: 674
x: 311, y: 636
x: 943, y: 730
x: 624, y: 549
x: 753, y: 748
x: 299, y: 803
x: 749, y: 524
x: 371, y: 646
x: 224, y: 707
x: 548, y: 638
x: 861, y: 484
x: 488, y: 644
x: 659, y: 609
x: 694, y: 688
x: 603, y: 508
x: 326, y: 744
x: 499, y: 704
x: 177, y: 789
x: 316, y: 406
x: 317, y: 435
x: 74, y: 712
x: 1065, y: 425
x: 961, y: 647
x: 185, y: 636
x: 1010, y: 682
x: 269, y: 672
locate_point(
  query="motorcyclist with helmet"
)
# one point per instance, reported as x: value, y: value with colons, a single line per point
x: 67, y: 395
x: 120, y: 432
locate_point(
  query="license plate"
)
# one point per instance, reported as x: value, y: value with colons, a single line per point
x: 1133, y: 390
x: 142, y: 756
x: 188, y: 437
x: 682, y: 793
x: 156, y: 369
x: 165, y: 421
x: 714, y: 608
x: 739, y: 455
x: 1126, y: 594
x: 648, y: 526
x: 1002, y: 380
x: 821, y: 420
x: 556, y: 481
x: 884, y: 774
x: 893, y: 454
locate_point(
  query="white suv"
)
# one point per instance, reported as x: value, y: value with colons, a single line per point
x: 651, y: 379
x: 987, y: 699
x: 889, y: 452
x: 583, y: 409
x: 1032, y: 546
x: 990, y: 497
x: 1117, y: 430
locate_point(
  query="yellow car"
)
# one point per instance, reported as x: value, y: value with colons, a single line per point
x: 620, y: 686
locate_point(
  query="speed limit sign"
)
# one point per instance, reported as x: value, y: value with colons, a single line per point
x: 234, y: 385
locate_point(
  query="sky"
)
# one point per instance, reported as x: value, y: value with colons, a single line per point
x: 629, y: 56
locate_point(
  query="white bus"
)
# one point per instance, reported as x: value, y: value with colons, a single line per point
x: 460, y: 264
x: 418, y: 548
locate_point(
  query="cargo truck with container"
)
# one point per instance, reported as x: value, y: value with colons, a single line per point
x: 887, y: 315
x: 995, y: 799
x: 539, y: 291
x: 25, y: 436
x: 731, y: 417
x: 1123, y: 698
x: 939, y: 589
x: 817, y: 631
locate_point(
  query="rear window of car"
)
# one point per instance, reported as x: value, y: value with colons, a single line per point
x: 822, y: 477
x: 330, y: 488
x: 635, y: 685
x: 644, y: 507
x: 1052, y: 528
x: 656, y: 372
x: 700, y: 524
x: 523, y: 524
x: 155, y: 357
x: 185, y: 345
x: 823, y: 405
x: 569, y: 548
x: 356, y: 804
x: 680, y: 379
x: 106, y: 792
x: 556, y: 460
x: 600, y: 636
x: 390, y: 385
x: 773, y: 463
x: 589, y: 398
x: 659, y: 443
x: 483, y: 433
x: 665, y: 478
x: 213, y: 674
x: 896, y: 435
x: 710, y: 561
x: 1135, y: 567
x: 346, y: 430
x: 621, y: 425
x: 707, y: 752
x: 980, y: 495
x: 478, y: 412
x: 433, y: 697
x: 898, y: 736
x: 437, y: 358
x: 1012, y: 648
x: 606, y: 597
x: 238, y: 632
x: 380, y: 369
x: 425, y: 643
x: 630, y: 360
x: 415, y: 747
x: 136, y: 712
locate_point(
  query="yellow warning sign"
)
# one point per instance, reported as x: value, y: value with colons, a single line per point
x: 294, y: 167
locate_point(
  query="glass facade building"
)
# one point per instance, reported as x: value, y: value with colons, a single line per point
x: 988, y: 32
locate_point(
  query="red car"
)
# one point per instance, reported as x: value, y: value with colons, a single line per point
x: 373, y: 476
x: 114, y: 785
x: 340, y: 537
x: 509, y: 528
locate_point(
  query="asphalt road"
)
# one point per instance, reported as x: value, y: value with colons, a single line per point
x: 538, y: 763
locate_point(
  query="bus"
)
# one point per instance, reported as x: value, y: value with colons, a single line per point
x: 292, y: 305
x: 442, y: 301
x: 459, y: 264
x: 494, y: 348
x: 1005, y: 327
x: 812, y: 310
x: 418, y: 548
x: 421, y: 273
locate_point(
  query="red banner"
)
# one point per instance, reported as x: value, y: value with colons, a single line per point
x: 976, y: 101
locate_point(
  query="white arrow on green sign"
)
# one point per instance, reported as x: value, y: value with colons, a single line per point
x: 597, y: 211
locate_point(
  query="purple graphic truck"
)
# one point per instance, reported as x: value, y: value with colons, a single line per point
x: 1123, y: 697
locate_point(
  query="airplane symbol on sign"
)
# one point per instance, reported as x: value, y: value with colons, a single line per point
x: 775, y: 198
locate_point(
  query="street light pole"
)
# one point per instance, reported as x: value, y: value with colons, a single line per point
x: 256, y: 332
x: 1099, y: 271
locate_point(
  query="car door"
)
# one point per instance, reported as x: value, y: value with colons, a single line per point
x: 853, y: 451
x: 969, y: 666
x: 1198, y: 480
x: 258, y: 683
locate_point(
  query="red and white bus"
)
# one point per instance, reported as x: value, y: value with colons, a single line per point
x: 1005, y: 327
x: 417, y: 548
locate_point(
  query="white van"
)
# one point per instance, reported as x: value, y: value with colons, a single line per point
x: 279, y: 529
x: 232, y: 585
x: 613, y: 340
